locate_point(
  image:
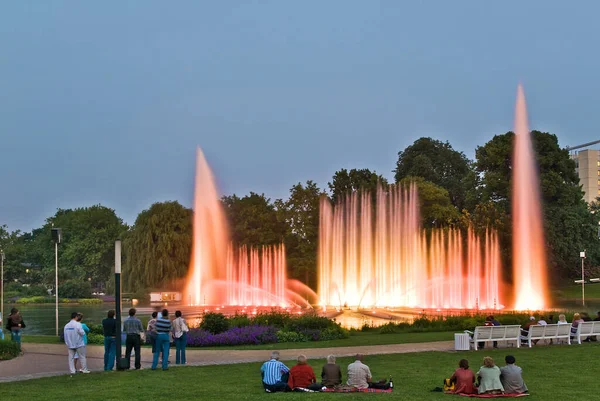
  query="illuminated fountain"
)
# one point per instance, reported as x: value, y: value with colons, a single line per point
x: 382, y: 257
x: 221, y: 274
x: 529, y: 258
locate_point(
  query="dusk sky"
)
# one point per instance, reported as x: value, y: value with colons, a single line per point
x: 105, y: 102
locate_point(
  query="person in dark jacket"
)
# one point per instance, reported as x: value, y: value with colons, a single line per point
x: 331, y: 374
x: 109, y: 327
x: 15, y: 324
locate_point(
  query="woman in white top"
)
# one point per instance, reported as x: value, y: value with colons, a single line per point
x: 180, y: 330
x: 562, y: 319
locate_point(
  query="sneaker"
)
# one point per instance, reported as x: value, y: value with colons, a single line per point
x: 85, y: 371
x: 267, y: 390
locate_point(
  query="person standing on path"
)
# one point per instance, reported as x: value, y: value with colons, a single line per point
x: 151, y: 331
x: 15, y: 324
x: 109, y: 327
x: 133, y: 328
x: 180, y: 330
x: 86, y: 330
x: 73, y: 333
x: 163, y: 339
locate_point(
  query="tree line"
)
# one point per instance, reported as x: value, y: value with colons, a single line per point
x: 454, y: 192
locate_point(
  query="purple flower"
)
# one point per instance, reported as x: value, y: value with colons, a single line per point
x: 234, y: 336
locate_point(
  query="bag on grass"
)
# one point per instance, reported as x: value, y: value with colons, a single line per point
x: 448, y: 385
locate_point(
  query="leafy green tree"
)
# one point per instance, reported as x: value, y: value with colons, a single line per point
x: 439, y: 163
x: 157, y: 249
x: 434, y: 203
x: 345, y: 181
x: 568, y: 222
x: 253, y: 220
x: 86, y: 251
x: 301, y: 215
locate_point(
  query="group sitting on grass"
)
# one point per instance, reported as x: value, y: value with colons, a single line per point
x: 490, y: 379
x: 276, y: 376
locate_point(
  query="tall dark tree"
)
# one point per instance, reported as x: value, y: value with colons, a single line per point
x: 569, y: 225
x: 440, y: 164
x: 253, y: 220
x: 301, y: 215
x: 157, y: 249
x: 345, y: 181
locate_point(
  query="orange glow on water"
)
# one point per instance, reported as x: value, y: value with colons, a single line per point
x: 529, y: 258
x: 388, y: 259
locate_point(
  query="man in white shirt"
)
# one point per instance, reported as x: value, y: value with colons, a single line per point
x: 359, y: 374
x: 74, y: 333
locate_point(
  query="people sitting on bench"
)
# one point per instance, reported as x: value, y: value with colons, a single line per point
x: 576, y: 320
x: 489, y: 377
x: 511, y: 377
x: 463, y: 379
x: 359, y: 376
x: 302, y: 376
x: 275, y: 374
x: 331, y: 374
x: 525, y: 330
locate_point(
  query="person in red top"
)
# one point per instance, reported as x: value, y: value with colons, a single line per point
x: 463, y: 379
x: 302, y: 376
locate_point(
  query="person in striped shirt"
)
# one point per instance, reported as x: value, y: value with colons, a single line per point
x: 163, y: 329
x: 275, y: 374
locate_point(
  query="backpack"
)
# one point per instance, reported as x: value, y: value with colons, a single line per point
x: 448, y: 385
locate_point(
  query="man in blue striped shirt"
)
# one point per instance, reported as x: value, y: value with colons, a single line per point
x: 163, y: 329
x: 275, y: 374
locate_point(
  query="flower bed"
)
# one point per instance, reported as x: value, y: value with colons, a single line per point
x: 246, y: 335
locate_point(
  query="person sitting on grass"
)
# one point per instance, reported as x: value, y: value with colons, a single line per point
x: 359, y: 376
x: 275, y: 374
x: 511, y: 377
x: 331, y: 374
x: 489, y: 377
x: 303, y: 377
x: 463, y: 379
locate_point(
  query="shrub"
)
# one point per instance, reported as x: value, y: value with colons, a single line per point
x: 94, y: 338
x: 388, y: 328
x: 8, y: 350
x: 214, y: 323
x: 35, y: 300
x: 75, y: 289
x: 234, y: 336
x: 239, y: 320
x: 273, y: 318
x: 90, y: 301
x: 308, y: 321
x: 334, y: 333
x: 290, y: 337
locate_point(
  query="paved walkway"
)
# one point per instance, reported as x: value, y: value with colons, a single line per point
x: 43, y: 360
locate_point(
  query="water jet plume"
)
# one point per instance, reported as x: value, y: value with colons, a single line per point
x: 529, y: 258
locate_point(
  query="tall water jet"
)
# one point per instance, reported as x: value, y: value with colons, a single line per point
x: 529, y: 258
x: 209, y: 246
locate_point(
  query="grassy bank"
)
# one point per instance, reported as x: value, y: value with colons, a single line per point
x: 554, y: 372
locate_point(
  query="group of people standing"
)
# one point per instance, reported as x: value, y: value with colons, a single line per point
x: 276, y: 376
x: 160, y: 332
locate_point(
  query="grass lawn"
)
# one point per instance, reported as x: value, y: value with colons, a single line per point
x: 360, y: 338
x: 558, y: 372
x: 592, y: 291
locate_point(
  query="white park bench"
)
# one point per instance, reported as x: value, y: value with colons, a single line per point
x: 549, y: 332
x: 496, y: 333
x: 587, y: 329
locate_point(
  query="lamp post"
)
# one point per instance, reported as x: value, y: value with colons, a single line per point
x: 56, y: 236
x: 1, y: 285
x: 118, y: 300
x: 582, y: 256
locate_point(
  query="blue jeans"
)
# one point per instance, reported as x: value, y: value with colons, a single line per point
x: 15, y: 335
x: 180, y: 344
x: 162, y: 344
x: 110, y: 352
x: 153, y: 342
x: 1, y: 334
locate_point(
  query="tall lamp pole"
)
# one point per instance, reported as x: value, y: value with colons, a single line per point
x: 118, y: 300
x: 56, y: 234
x: 582, y: 256
x: 1, y: 285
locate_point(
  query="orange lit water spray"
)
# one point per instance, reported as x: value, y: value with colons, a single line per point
x: 529, y: 257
